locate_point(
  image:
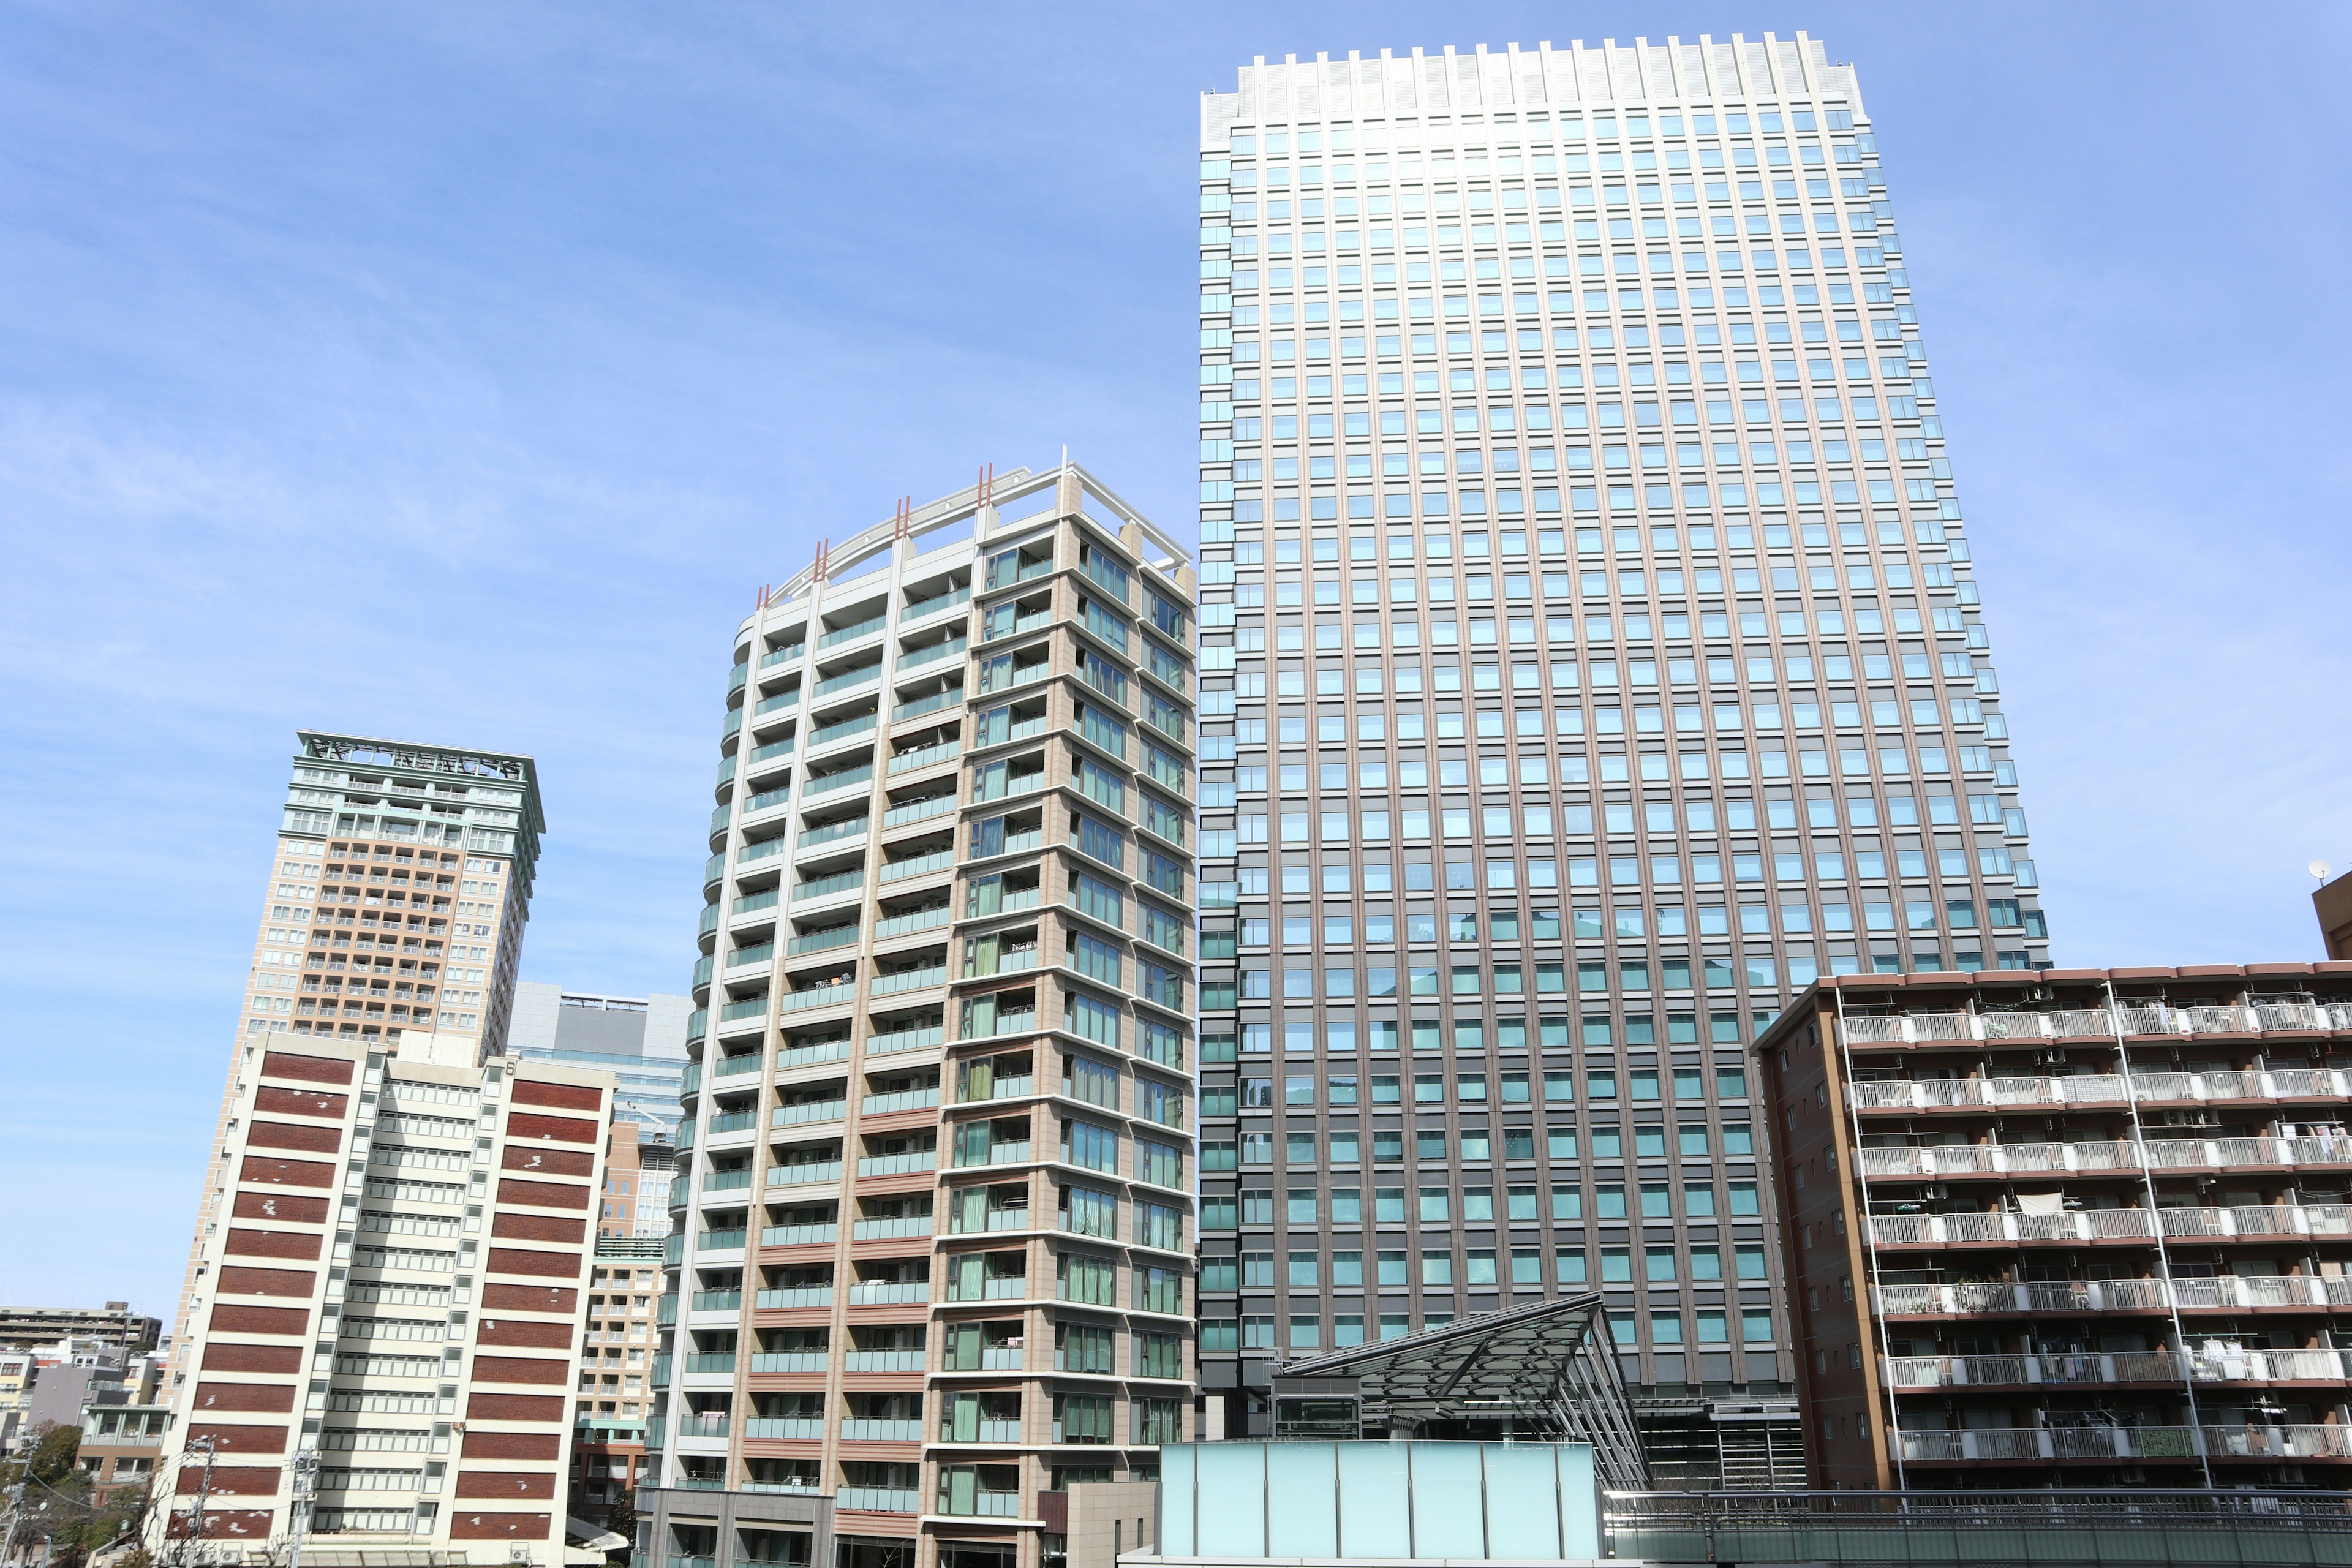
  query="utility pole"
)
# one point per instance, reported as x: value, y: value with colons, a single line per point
x: 15, y: 1514
x: 306, y: 1475
x: 208, y: 1446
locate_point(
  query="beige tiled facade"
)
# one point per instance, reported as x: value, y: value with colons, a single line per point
x: 935, y: 1257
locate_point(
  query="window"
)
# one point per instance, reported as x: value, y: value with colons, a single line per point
x: 1088, y: 1146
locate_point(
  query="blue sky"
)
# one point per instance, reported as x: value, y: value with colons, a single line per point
x: 460, y: 372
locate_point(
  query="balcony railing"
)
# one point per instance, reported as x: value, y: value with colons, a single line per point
x: 852, y: 632
x: 908, y: 980
x: 921, y: 920
x: 917, y: 707
x: 782, y: 655
x: 804, y: 1175
x: 882, y: 1360
x: 904, y: 1040
x: 931, y: 655
x: 810, y: 1055
x: 888, y: 1292
x: 791, y: 1298
x: 695, y: 1424
x: 913, y: 1160
x: 825, y: 734
x: 2102, y: 1088
x: 2166, y: 1154
x: 918, y: 810
x: 2217, y: 1293
x: 819, y: 941
x: 791, y: 1361
x: 924, y: 756
x: 2094, y: 1023
x: 716, y: 1241
x: 717, y: 1301
x: 842, y: 780
x: 861, y: 1431
x: 710, y: 1362
x: 904, y: 1099
x: 918, y: 865
x: 802, y: 1428
x: 896, y: 1227
x: 916, y: 609
x: 799, y: 1234
x: 2029, y: 1444
x: 808, y: 1110
x: 848, y: 827
x: 878, y: 1500
x: 2140, y: 1367
x: 819, y: 995
x: 2110, y: 1225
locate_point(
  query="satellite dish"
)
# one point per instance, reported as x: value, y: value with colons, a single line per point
x: 2318, y: 868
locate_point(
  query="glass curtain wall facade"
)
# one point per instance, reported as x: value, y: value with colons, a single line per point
x: 1590, y: 658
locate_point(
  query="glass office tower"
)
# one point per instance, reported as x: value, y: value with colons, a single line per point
x: 1590, y: 659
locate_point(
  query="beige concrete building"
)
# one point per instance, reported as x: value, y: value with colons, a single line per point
x: 933, y: 1268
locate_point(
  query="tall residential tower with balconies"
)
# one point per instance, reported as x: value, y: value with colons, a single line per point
x: 933, y: 1258
x: 1591, y: 658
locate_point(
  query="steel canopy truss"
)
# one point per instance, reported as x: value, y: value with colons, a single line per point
x: 1550, y: 1368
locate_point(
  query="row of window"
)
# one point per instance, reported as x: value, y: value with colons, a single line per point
x: 1306, y: 1208
x: 1666, y: 1328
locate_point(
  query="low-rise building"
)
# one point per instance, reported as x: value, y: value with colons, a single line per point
x: 24, y: 1327
x: 2085, y: 1225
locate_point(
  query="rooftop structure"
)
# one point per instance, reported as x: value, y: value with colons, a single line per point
x: 2090, y: 1225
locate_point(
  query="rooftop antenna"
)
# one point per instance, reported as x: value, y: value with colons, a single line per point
x: 987, y: 486
x: 905, y: 512
x: 817, y: 570
x: 2318, y: 868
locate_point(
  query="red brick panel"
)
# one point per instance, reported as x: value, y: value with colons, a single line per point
x: 312, y: 1069
x: 548, y: 1161
x: 512, y: 1446
x: 518, y: 1369
x: 543, y: 1195
x: 227, y: 1523
x: 235, y: 1281
x: 300, y: 1101
x: 295, y: 1136
x: 563, y: 1096
x: 291, y: 1207
x: 524, y: 1331
x: 481, y: 1407
x: 274, y: 1244
x: 516, y: 1484
x: 238, y: 1440
x: 227, y: 1355
x: 528, y: 1298
x: 499, y: 1527
x: 555, y: 1129
x: 511, y: 1227
x: 516, y: 1260
x: 238, y: 1480
x: 228, y: 1320
x: 271, y: 1171
x: 274, y: 1396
